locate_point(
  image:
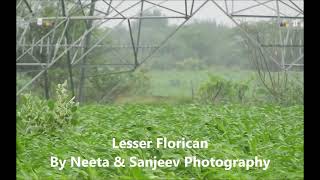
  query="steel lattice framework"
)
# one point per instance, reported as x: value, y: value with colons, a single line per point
x: 58, y: 42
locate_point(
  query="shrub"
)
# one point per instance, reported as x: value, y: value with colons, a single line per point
x: 218, y: 89
x: 37, y: 115
x: 108, y: 88
x: 289, y: 93
x: 294, y: 93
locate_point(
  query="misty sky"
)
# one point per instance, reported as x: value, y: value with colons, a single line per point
x: 209, y: 11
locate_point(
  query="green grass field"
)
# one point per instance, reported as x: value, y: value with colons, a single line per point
x: 233, y: 131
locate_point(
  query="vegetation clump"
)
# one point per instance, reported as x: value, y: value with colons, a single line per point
x: 37, y: 115
x: 219, y: 89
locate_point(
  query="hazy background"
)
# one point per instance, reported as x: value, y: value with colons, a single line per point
x: 209, y: 11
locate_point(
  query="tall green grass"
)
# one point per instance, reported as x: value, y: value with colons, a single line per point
x: 233, y: 131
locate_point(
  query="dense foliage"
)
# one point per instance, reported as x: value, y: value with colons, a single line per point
x: 268, y: 131
x: 220, y: 89
x: 36, y: 115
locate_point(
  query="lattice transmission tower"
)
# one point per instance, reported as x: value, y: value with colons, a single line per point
x: 43, y: 42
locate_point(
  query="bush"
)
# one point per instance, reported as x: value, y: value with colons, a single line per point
x: 218, y: 89
x: 291, y: 93
x: 37, y: 115
x: 294, y: 93
x: 108, y: 88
